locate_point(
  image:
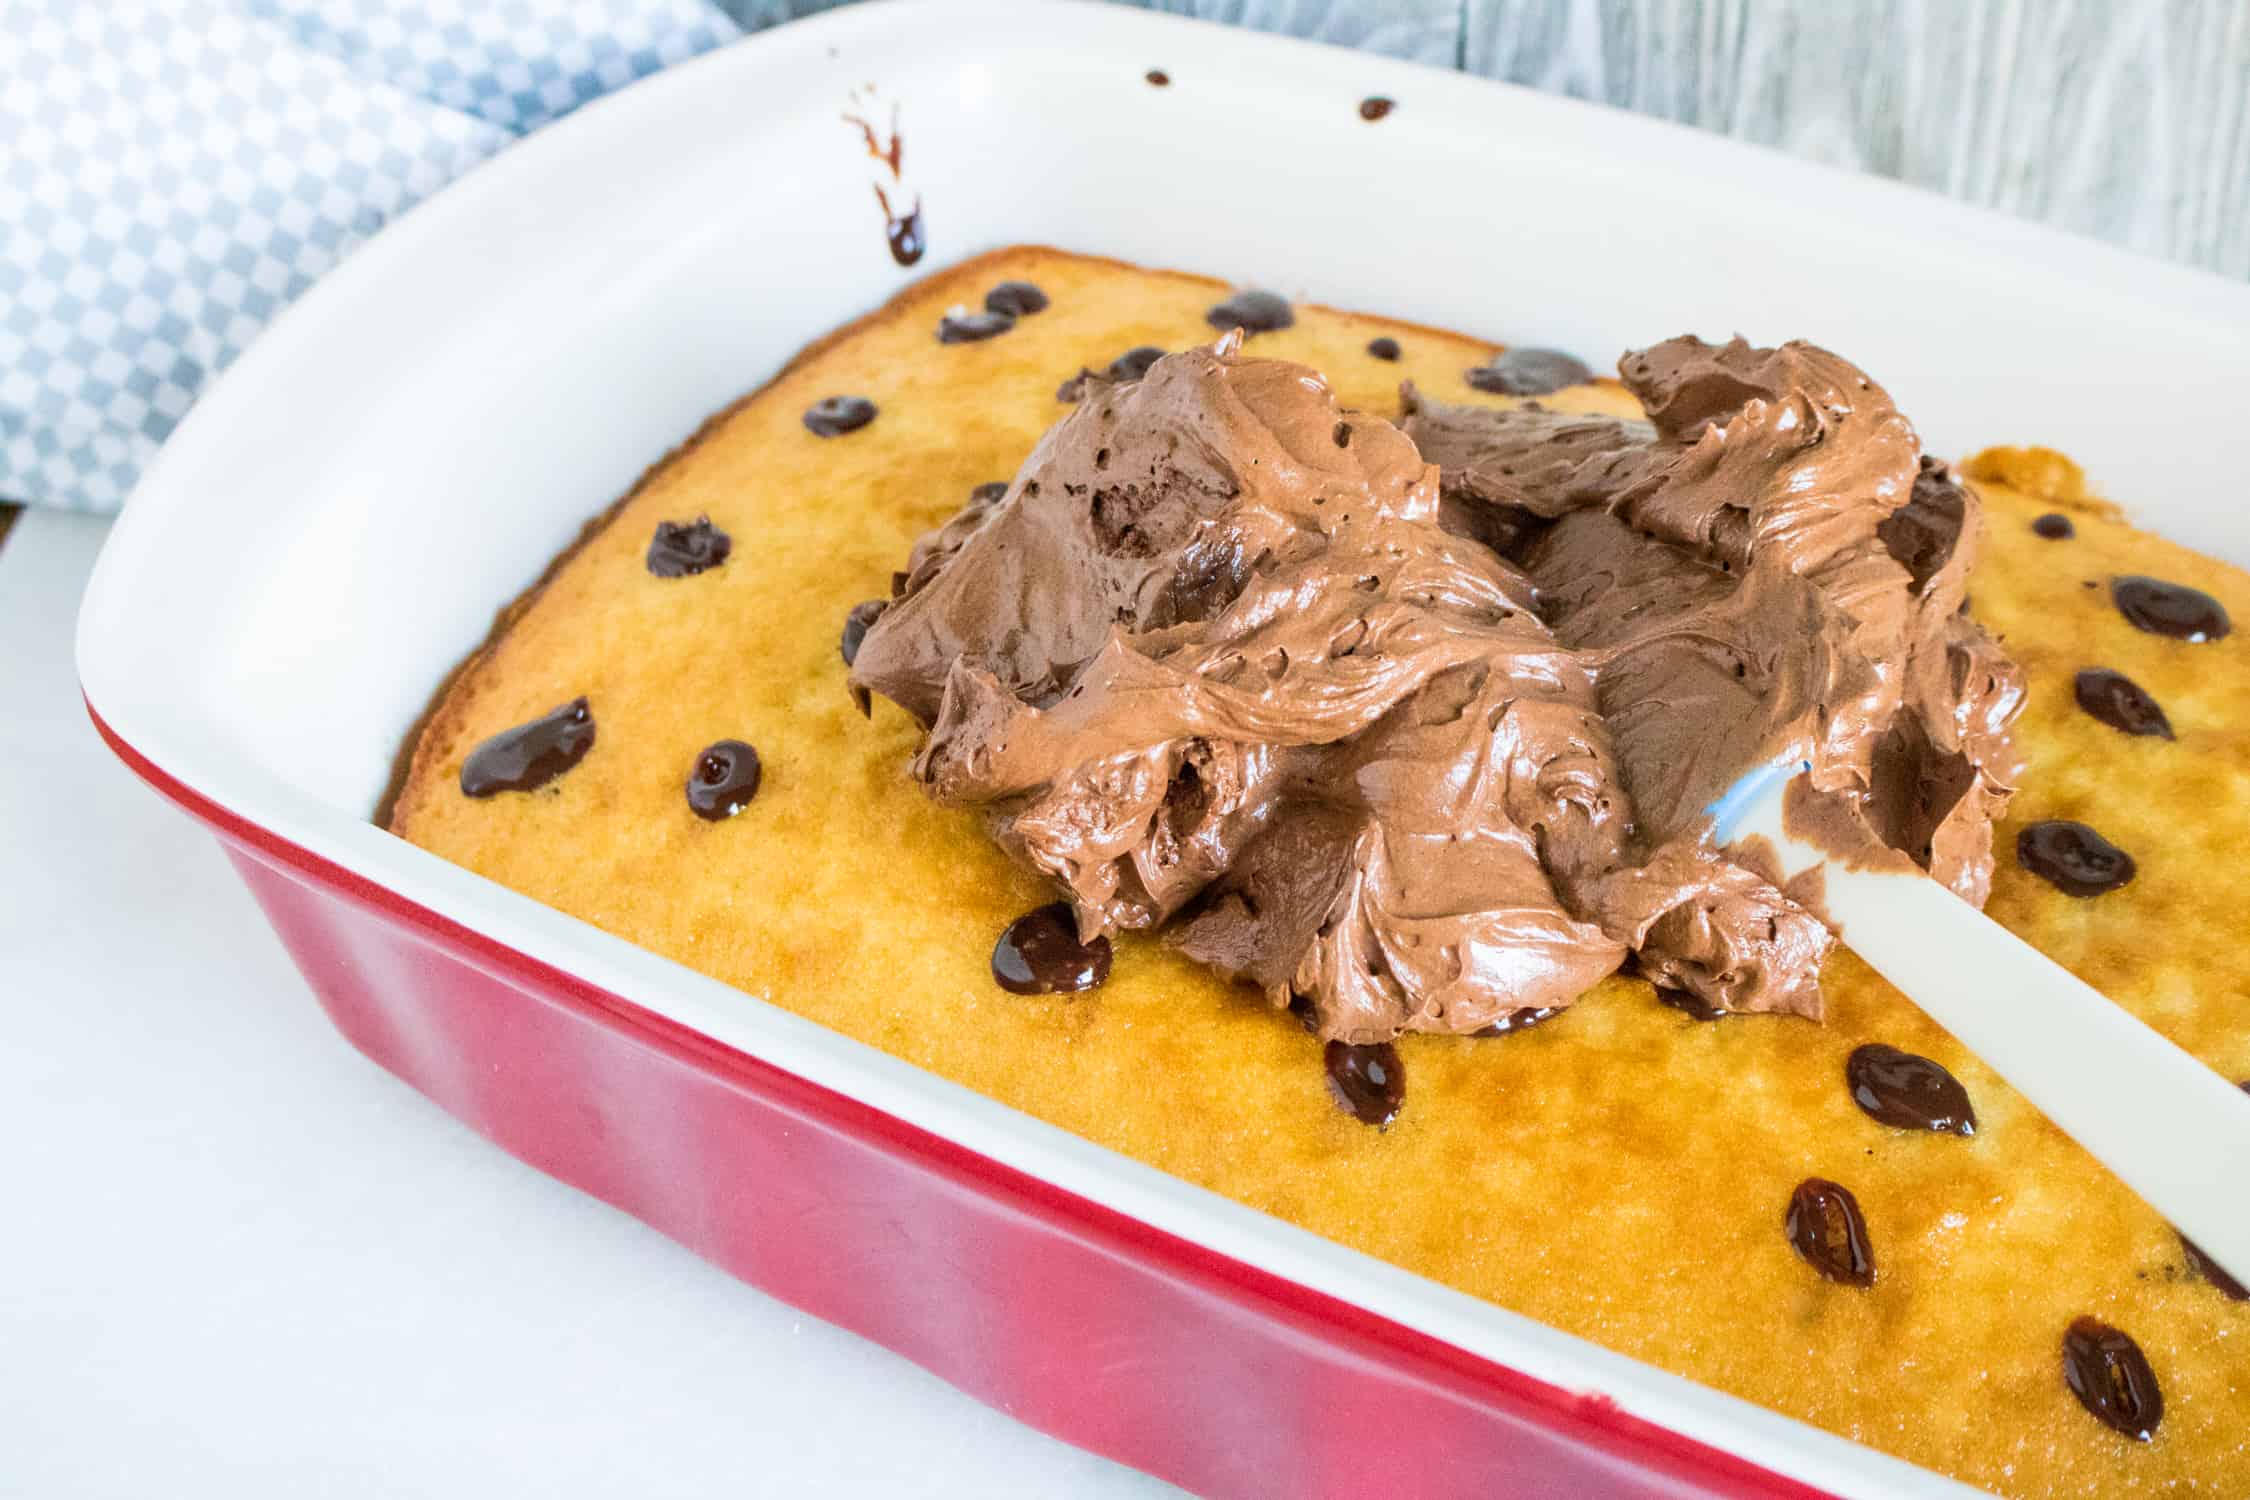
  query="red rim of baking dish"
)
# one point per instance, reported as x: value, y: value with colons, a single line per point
x: 1595, y: 1420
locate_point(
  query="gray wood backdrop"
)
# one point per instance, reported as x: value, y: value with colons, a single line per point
x: 2124, y: 119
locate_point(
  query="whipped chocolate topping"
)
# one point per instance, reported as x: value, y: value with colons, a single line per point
x: 1424, y: 735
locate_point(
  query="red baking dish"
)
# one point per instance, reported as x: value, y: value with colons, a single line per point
x: 332, y: 526
x: 1210, y: 1372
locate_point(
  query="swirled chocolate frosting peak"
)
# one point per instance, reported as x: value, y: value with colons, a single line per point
x: 1231, y: 660
x: 1768, y: 570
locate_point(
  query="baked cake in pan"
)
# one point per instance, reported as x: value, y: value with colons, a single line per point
x: 1847, y: 1219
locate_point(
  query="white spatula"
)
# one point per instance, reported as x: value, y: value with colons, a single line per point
x: 2171, y: 1129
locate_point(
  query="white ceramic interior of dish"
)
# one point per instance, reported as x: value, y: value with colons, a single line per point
x: 335, y: 523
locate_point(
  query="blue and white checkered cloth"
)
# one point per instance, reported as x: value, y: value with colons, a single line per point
x: 173, y: 172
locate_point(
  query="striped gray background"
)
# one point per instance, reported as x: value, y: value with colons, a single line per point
x: 2124, y: 119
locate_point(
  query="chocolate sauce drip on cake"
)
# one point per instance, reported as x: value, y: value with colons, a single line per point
x: 2211, y: 1271
x: 724, y: 780
x: 1825, y: 1226
x: 2171, y: 609
x: 2055, y: 527
x: 864, y: 614
x: 1040, y: 954
x: 833, y: 416
x: 1529, y: 372
x: 1908, y: 1091
x: 684, y: 550
x: 1368, y: 1079
x: 2111, y: 1378
x: 530, y: 755
x: 1252, y: 312
x: 1015, y: 299
x: 2121, y: 703
x: 1521, y: 1020
x: 1375, y: 106
x: 973, y: 327
x: 1383, y: 348
x: 2073, y: 858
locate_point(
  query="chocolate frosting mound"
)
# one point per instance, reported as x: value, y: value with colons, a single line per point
x: 1214, y: 659
x: 1226, y: 659
x: 1768, y: 570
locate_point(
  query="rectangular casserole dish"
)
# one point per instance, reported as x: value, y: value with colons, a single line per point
x: 334, y: 524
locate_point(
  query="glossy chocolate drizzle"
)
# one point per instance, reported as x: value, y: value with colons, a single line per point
x: 683, y: 550
x: 1908, y: 1091
x: 724, y: 779
x: 2073, y: 858
x: 973, y: 327
x: 2111, y: 1378
x: 530, y: 755
x: 1825, y: 1226
x: 1368, y: 1080
x: 1015, y: 299
x: 2121, y: 703
x: 833, y: 416
x: 1040, y: 954
x: 2171, y: 609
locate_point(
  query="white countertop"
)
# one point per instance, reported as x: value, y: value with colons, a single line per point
x: 240, y: 1260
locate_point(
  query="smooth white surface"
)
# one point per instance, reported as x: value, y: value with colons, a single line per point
x: 2171, y: 1129
x: 446, y: 408
x: 240, y: 1260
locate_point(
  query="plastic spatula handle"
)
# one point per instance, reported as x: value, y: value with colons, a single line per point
x: 2171, y: 1129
